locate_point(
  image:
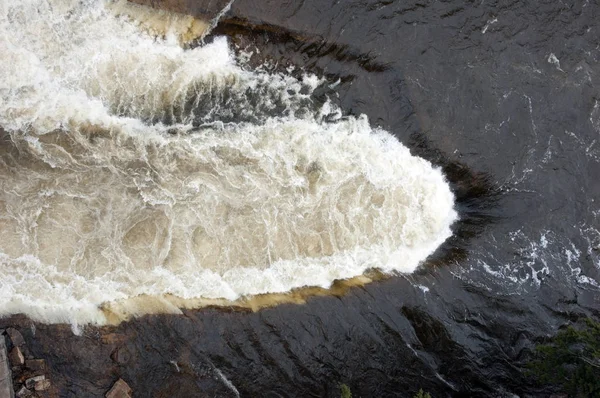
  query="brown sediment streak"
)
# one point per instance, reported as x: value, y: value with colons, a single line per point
x: 124, y: 310
x: 162, y: 20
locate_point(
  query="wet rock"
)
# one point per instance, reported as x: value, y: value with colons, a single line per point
x: 16, y: 357
x: 120, y: 356
x: 31, y: 382
x: 36, y: 365
x: 24, y: 392
x: 42, y: 385
x: 119, y: 390
x: 16, y: 337
x: 21, y: 374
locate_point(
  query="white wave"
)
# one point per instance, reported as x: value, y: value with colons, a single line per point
x: 131, y: 166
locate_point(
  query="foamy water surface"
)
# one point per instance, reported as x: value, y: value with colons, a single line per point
x: 132, y: 166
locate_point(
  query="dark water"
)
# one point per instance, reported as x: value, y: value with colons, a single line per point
x: 511, y: 110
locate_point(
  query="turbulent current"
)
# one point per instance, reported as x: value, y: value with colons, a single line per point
x: 133, y: 165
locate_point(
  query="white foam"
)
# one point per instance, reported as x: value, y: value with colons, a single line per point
x: 98, y: 203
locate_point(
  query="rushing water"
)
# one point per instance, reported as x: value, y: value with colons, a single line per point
x: 501, y: 95
x: 132, y: 166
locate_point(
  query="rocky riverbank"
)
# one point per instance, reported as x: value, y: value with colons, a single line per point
x: 50, y: 361
x: 24, y: 375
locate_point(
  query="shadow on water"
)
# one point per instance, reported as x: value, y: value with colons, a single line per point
x: 478, y: 202
x: 309, y: 49
x: 478, y: 198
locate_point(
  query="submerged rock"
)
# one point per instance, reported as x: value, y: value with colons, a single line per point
x: 119, y: 390
x: 120, y: 356
x: 36, y: 365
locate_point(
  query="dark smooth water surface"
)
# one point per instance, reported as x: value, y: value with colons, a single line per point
x: 518, y: 134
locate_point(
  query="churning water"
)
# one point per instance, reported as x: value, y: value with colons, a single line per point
x: 130, y: 165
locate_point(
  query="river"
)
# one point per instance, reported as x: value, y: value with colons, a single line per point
x: 499, y: 98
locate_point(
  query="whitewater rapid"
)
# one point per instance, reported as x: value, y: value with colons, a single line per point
x: 133, y: 166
